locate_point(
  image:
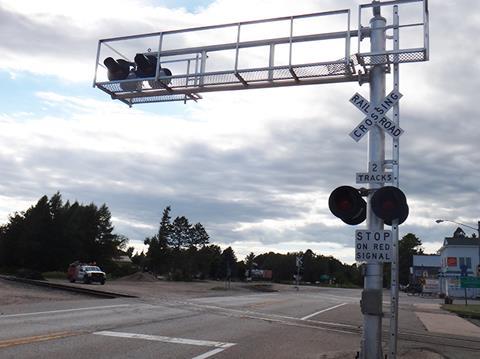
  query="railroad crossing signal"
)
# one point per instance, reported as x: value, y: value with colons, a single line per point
x: 389, y: 203
x: 376, y: 115
x: 346, y: 203
x: 193, y: 74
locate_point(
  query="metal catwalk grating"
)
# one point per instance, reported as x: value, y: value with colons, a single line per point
x: 392, y: 57
x: 147, y: 90
x: 163, y: 98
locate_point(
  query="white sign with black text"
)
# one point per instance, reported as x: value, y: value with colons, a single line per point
x: 373, y: 246
x: 375, y: 174
x: 376, y: 115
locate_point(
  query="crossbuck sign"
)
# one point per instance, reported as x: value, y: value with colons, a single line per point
x: 376, y: 115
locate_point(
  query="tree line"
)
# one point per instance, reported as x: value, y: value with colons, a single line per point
x: 51, y: 234
x: 182, y: 251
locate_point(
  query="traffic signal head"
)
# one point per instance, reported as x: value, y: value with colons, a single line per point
x: 389, y: 203
x: 117, y: 69
x: 163, y: 72
x: 146, y: 65
x: 346, y: 203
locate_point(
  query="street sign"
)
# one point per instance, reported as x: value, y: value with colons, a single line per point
x: 373, y: 246
x: 372, y: 177
x: 374, y: 174
x: 376, y: 115
x: 470, y: 282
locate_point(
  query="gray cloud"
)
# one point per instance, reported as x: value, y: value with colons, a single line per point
x: 298, y: 155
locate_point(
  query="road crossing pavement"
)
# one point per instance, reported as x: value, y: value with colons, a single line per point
x: 285, y: 324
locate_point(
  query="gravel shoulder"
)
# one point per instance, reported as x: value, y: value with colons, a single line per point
x: 12, y: 293
x: 139, y: 285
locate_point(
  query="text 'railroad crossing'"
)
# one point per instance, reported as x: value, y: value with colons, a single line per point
x: 376, y: 115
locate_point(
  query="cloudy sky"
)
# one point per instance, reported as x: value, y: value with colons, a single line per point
x: 255, y: 167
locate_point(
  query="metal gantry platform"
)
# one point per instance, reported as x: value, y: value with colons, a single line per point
x: 285, y: 51
x: 224, y: 65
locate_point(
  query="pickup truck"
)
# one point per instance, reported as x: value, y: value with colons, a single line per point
x: 85, y: 273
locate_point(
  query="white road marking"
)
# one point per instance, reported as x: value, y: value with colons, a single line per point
x: 63, y: 311
x: 269, y: 316
x: 158, y: 338
x: 322, y: 311
x: 220, y: 346
x: 208, y: 354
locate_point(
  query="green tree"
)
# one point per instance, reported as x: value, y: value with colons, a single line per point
x: 408, y: 246
x: 198, y: 236
x: 228, y: 264
x: 158, y: 254
x: 249, y: 261
x: 180, y: 234
x: 50, y: 234
x: 208, y: 261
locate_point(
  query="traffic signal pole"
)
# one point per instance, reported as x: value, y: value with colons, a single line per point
x: 373, y: 280
x: 135, y: 82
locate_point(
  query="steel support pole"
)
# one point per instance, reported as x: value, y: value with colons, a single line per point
x: 373, y: 281
x: 478, y: 265
x: 394, y: 275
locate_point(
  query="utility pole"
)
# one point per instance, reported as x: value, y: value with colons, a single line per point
x: 373, y: 281
x: 299, y: 262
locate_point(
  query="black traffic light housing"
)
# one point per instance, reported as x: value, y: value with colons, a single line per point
x: 389, y: 203
x: 117, y: 69
x: 346, y: 203
x: 146, y: 65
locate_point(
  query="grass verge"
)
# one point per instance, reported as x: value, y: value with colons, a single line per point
x: 468, y: 311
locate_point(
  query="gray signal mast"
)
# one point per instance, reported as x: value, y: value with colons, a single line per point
x: 218, y: 58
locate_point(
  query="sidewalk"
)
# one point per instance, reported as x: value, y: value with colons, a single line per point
x: 437, y: 320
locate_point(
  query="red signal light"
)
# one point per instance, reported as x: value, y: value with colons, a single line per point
x: 389, y: 203
x: 346, y: 203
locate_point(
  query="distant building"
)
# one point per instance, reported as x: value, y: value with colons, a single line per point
x: 458, y: 252
x: 426, y: 266
x: 425, y: 270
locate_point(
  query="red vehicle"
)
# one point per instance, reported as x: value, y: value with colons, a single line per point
x: 86, y: 273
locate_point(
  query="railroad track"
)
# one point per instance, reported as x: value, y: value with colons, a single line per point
x: 434, y: 340
x: 425, y: 338
x: 69, y: 288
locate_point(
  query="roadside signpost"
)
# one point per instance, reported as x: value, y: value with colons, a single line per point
x: 376, y: 115
x: 375, y: 174
x: 373, y: 246
x: 298, y: 264
x: 470, y: 282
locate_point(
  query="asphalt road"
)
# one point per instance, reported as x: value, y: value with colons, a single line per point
x: 310, y: 323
